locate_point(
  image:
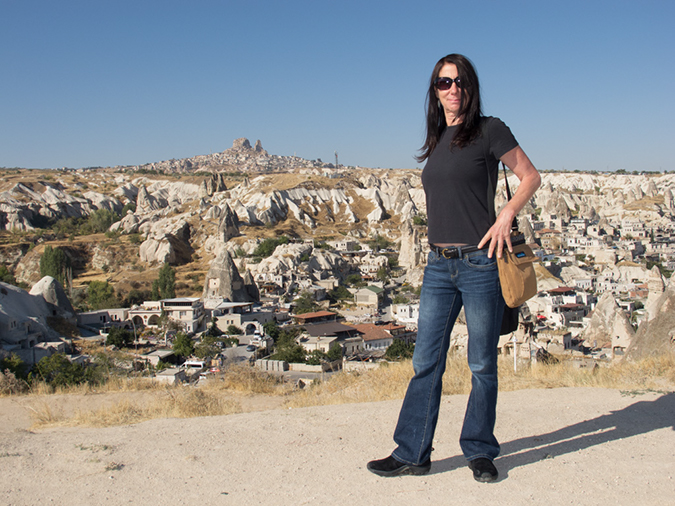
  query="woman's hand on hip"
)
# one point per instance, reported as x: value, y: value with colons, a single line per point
x: 499, y: 235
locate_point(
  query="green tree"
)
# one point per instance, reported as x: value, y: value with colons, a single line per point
x: 101, y: 294
x: 382, y: 274
x: 287, y: 335
x: 207, y: 347
x: 120, y: 337
x: 183, y: 345
x: 213, y: 330
x: 271, y: 328
x: 304, y: 303
x: 15, y: 365
x: 54, y: 262
x: 399, y: 350
x: 233, y: 330
x: 292, y: 353
x: 334, y: 352
x: 136, y: 297
x: 340, y: 292
x: 378, y: 242
x: 287, y: 348
x: 164, y: 287
x: 316, y: 357
x: 355, y: 280
x: 400, y: 299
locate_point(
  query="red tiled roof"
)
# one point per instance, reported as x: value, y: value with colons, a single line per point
x: 372, y: 332
x: 392, y: 326
x: 561, y: 289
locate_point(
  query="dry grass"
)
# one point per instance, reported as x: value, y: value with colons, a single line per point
x: 247, y: 380
x: 214, y: 398
x: 390, y: 381
x: 113, y: 384
x: 221, y: 396
x: 648, y: 374
x: 182, y: 402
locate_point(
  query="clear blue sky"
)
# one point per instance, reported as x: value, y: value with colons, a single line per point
x: 583, y: 84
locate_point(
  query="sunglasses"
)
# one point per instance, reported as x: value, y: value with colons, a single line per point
x: 445, y: 83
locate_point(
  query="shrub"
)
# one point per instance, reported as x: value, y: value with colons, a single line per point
x: 6, y: 276
x: 399, y: 350
x: 10, y: 384
x: 119, y: 337
x: 135, y: 238
x: 420, y: 220
x: 58, y: 371
x: 15, y: 365
x: 267, y: 247
x: 233, y: 330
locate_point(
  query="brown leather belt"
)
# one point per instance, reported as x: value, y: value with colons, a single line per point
x: 453, y: 251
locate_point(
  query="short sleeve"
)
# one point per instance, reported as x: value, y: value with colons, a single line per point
x: 501, y: 139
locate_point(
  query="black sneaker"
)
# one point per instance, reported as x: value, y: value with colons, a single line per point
x: 391, y: 467
x: 483, y: 470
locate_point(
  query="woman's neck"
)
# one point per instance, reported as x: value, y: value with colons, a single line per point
x: 452, y: 120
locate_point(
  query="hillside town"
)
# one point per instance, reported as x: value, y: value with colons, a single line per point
x: 343, y: 267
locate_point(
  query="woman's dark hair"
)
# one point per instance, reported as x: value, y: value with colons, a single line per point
x: 469, y: 109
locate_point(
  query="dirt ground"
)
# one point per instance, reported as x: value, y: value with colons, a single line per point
x: 559, y: 446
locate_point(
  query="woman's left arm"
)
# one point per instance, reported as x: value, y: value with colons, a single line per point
x: 500, y: 233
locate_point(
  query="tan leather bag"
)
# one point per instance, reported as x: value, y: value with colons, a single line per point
x: 516, y: 274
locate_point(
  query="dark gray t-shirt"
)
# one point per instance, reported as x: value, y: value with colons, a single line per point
x: 456, y: 184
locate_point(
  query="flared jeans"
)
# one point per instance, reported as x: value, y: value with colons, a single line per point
x: 471, y: 281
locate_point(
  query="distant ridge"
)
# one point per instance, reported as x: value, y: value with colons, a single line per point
x: 241, y: 157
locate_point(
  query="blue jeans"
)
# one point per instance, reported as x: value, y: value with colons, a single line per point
x: 472, y: 281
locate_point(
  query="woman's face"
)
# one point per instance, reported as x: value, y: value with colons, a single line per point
x: 450, y: 99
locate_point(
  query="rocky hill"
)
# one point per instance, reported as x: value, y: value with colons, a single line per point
x: 189, y: 212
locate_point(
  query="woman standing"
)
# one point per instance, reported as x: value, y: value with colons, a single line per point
x: 462, y: 149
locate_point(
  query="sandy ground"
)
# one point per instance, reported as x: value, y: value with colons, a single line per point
x: 559, y: 446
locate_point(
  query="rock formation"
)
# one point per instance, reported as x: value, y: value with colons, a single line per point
x: 229, y: 224
x: 171, y: 247
x: 411, y: 253
x: 609, y: 325
x: 656, y: 287
x: 223, y: 280
x: 213, y: 184
x: 55, y: 297
x: 657, y: 335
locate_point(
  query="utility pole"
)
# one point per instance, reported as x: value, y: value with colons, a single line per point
x: 336, y: 160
